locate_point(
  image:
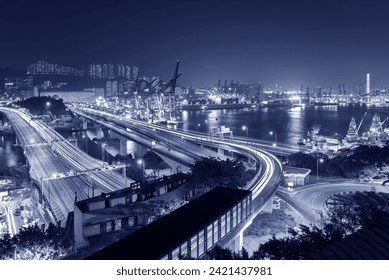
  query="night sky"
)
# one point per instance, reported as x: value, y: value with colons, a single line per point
x: 285, y: 42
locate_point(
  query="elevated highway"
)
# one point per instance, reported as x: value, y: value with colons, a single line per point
x: 263, y: 185
x: 63, y: 172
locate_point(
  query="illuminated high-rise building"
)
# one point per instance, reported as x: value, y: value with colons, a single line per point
x: 135, y: 72
x: 111, y: 71
x: 367, y: 83
x: 128, y: 72
x: 45, y: 68
x: 111, y: 89
x: 92, y: 71
x: 120, y: 71
x: 104, y: 71
x: 98, y: 71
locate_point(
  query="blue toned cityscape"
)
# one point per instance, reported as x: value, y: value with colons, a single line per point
x: 272, y: 146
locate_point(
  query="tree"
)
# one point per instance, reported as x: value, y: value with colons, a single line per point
x: 35, y: 242
x: 342, y: 220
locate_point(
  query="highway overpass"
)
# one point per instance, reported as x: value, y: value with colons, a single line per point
x: 262, y: 186
x: 63, y: 172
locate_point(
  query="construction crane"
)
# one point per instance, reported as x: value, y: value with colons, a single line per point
x: 171, y: 85
x: 382, y: 123
x: 359, y: 125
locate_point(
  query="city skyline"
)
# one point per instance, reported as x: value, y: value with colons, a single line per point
x: 275, y: 42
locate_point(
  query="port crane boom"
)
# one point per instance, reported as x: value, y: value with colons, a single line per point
x: 359, y: 125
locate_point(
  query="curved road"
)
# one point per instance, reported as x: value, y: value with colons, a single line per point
x: 309, y: 201
x: 264, y: 183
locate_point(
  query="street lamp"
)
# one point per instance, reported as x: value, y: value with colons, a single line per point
x: 140, y: 162
x: 317, y: 168
x: 245, y: 128
x: 86, y: 142
x: 47, y: 107
x: 102, y: 151
x: 275, y: 138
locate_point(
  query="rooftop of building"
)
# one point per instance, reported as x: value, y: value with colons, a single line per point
x: 289, y: 170
x: 83, y: 204
x: 156, y: 239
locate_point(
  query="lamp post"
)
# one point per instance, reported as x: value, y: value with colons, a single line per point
x: 245, y: 128
x: 140, y: 162
x: 317, y: 168
x: 86, y: 142
x: 275, y: 138
x: 47, y: 107
x: 102, y: 151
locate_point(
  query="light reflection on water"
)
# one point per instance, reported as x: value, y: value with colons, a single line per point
x: 289, y: 124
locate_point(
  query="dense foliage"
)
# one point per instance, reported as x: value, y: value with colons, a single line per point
x: 346, y: 166
x: 17, y: 173
x: 34, y: 243
x: 229, y: 173
x: 38, y: 105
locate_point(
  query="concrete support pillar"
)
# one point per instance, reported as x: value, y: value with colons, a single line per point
x: 84, y: 124
x: 122, y: 146
x: 237, y: 244
x: 140, y: 150
x: 220, y: 152
x: 99, y: 133
x: 268, y: 208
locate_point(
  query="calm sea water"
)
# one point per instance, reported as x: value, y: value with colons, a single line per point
x: 289, y: 124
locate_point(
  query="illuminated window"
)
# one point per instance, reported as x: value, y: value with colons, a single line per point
x: 228, y: 222
x: 109, y: 226
x: 215, y: 232
x: 201, y: 243
x: 175, y: 253
x: 244, y: 208
x: 209, y: 237
x: 184, y: 250
x: 239, y: 213
x: 193, y: 247
x: 118, y: 224
x: 223, y: 226
x: 234, y: 213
